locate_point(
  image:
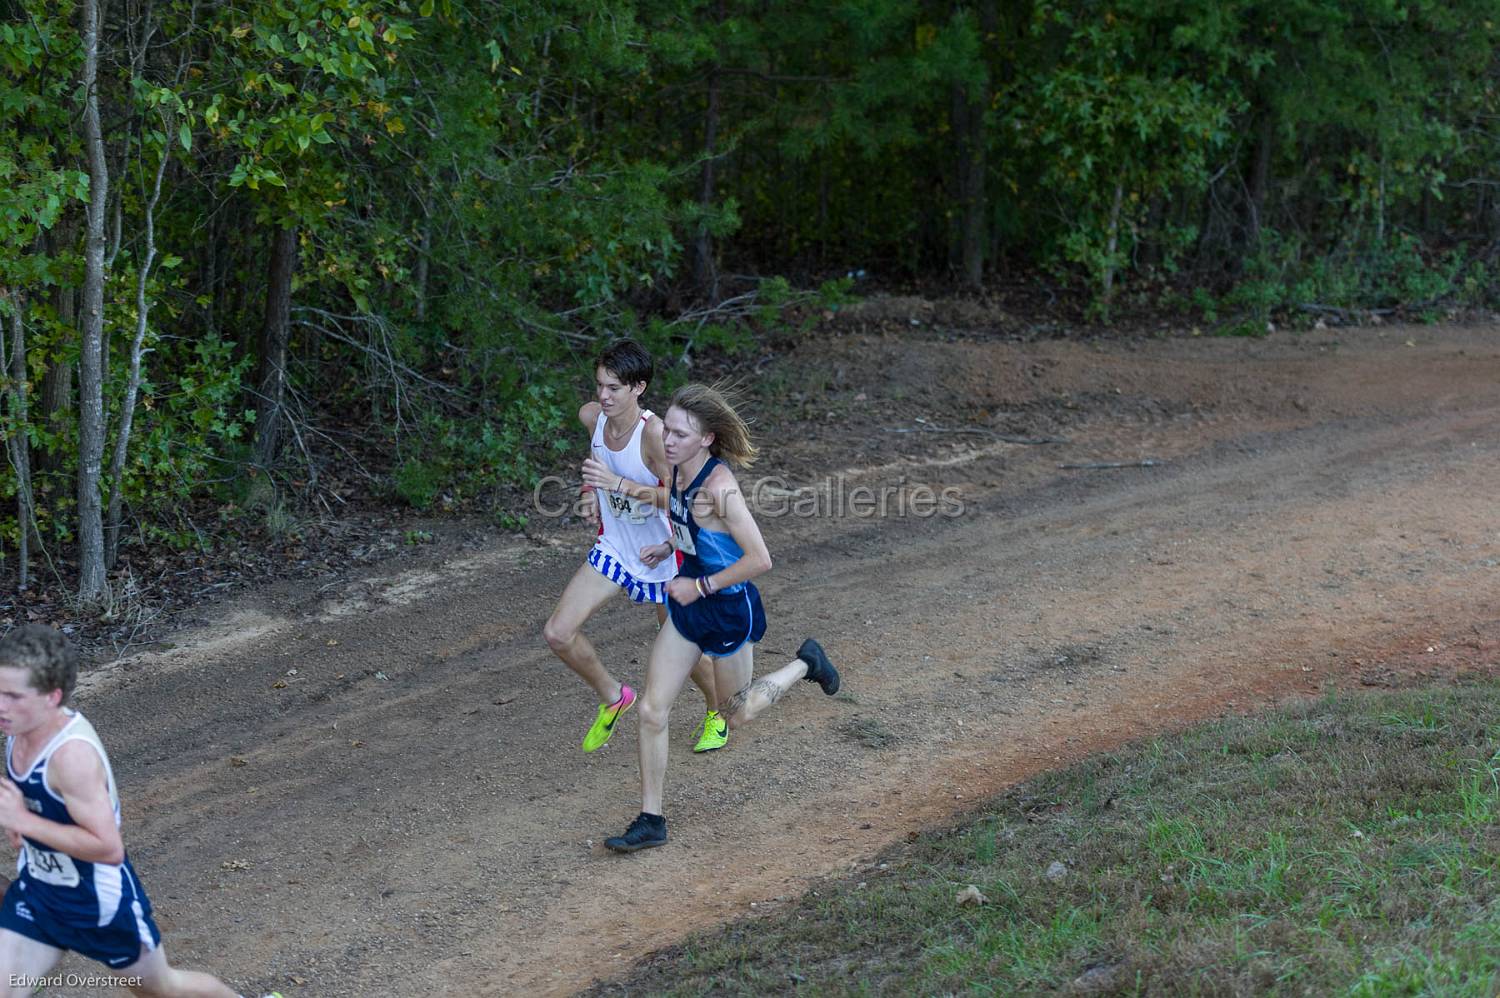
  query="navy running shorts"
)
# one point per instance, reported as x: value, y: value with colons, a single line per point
x: 720, y: 624
x: 130, y: 935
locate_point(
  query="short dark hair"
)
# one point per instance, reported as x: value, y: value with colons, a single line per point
x: 628, y: 360
x: 48, y: 657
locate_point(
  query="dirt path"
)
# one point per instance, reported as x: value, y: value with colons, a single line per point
x: 374, y: 787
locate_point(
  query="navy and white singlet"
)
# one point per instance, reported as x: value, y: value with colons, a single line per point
x: 98, y: 910
x: 722, y: 623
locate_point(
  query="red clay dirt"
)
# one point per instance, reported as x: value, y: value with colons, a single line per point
x: 373, y: 786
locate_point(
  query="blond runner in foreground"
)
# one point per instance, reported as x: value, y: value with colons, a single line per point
x: 713, y: 608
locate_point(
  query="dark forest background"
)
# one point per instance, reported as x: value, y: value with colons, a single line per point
x: 255, y: 254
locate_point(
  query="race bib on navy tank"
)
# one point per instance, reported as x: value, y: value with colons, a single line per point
x: 51, y: 867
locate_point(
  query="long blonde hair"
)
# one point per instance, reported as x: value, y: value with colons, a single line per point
x: 711, y: 407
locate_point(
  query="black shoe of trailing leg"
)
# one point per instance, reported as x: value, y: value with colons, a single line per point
x: 819, y: 669
x: 645, y: 832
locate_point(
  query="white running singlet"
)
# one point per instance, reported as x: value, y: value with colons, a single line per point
x: 626, y: 524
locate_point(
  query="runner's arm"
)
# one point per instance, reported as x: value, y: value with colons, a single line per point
x: 588, y: 415
x: 655, y: 554
x: 588, y: 507
x: 77, y: 774
x: 729, y: 506
x: 655, y: 454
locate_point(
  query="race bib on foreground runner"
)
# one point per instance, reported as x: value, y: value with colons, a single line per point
x: 51, y: 867
x: 682, y: 540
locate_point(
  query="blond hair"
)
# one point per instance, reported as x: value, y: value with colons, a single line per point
x: 713, y: 409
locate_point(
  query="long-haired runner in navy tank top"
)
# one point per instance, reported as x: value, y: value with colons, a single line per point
x: 75, y: 888
x: 626, y: 468
x: 713, y: 607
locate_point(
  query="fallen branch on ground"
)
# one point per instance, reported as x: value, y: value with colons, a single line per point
x: 927, y: 427
x: 1149, y: 462
x: 1351, y: 314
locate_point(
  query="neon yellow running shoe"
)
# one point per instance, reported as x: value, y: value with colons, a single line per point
x: 715, y: 733
x: 604, y: 724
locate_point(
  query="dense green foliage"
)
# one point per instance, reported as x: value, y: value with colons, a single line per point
x: 474, y: 194
x: 1341, y: 848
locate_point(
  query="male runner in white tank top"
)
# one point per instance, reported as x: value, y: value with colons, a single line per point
x: 75, y: 888
x: 625, y: 469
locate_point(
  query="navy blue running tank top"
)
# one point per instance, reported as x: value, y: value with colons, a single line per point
x: 73, y: 890
x: 704, y: 551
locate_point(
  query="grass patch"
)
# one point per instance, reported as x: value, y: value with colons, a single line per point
x: 1347, y: 847
x: 871, y: 732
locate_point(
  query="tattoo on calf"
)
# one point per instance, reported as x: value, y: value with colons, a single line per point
x: 767, y: 689
x: 733, y: 705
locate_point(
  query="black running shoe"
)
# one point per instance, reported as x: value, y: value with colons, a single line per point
x: 645, y: 832
x: 819, y: 669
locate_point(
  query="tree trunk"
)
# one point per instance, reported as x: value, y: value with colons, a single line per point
x: 17, y: 444
x: 133, y: 387
x: 57, y: 384
x: 1208, y: 222
x: 1113, y: 245
x: 974, y: 146
x: 424, y: 252
x: 90, y: 365
x: 958, y: 180
x: 972, y: 237
x: 822, y: 210
x: 270, y: 379
x: 209, y: 268
x: 1149, y: 253
x: 57, y: 407
x: 705, y: 269
x: 1380, y: 205
x: 1486, y: 218
x: 1260, y: 176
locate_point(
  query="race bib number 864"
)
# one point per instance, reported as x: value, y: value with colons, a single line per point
x: 625, y: 508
